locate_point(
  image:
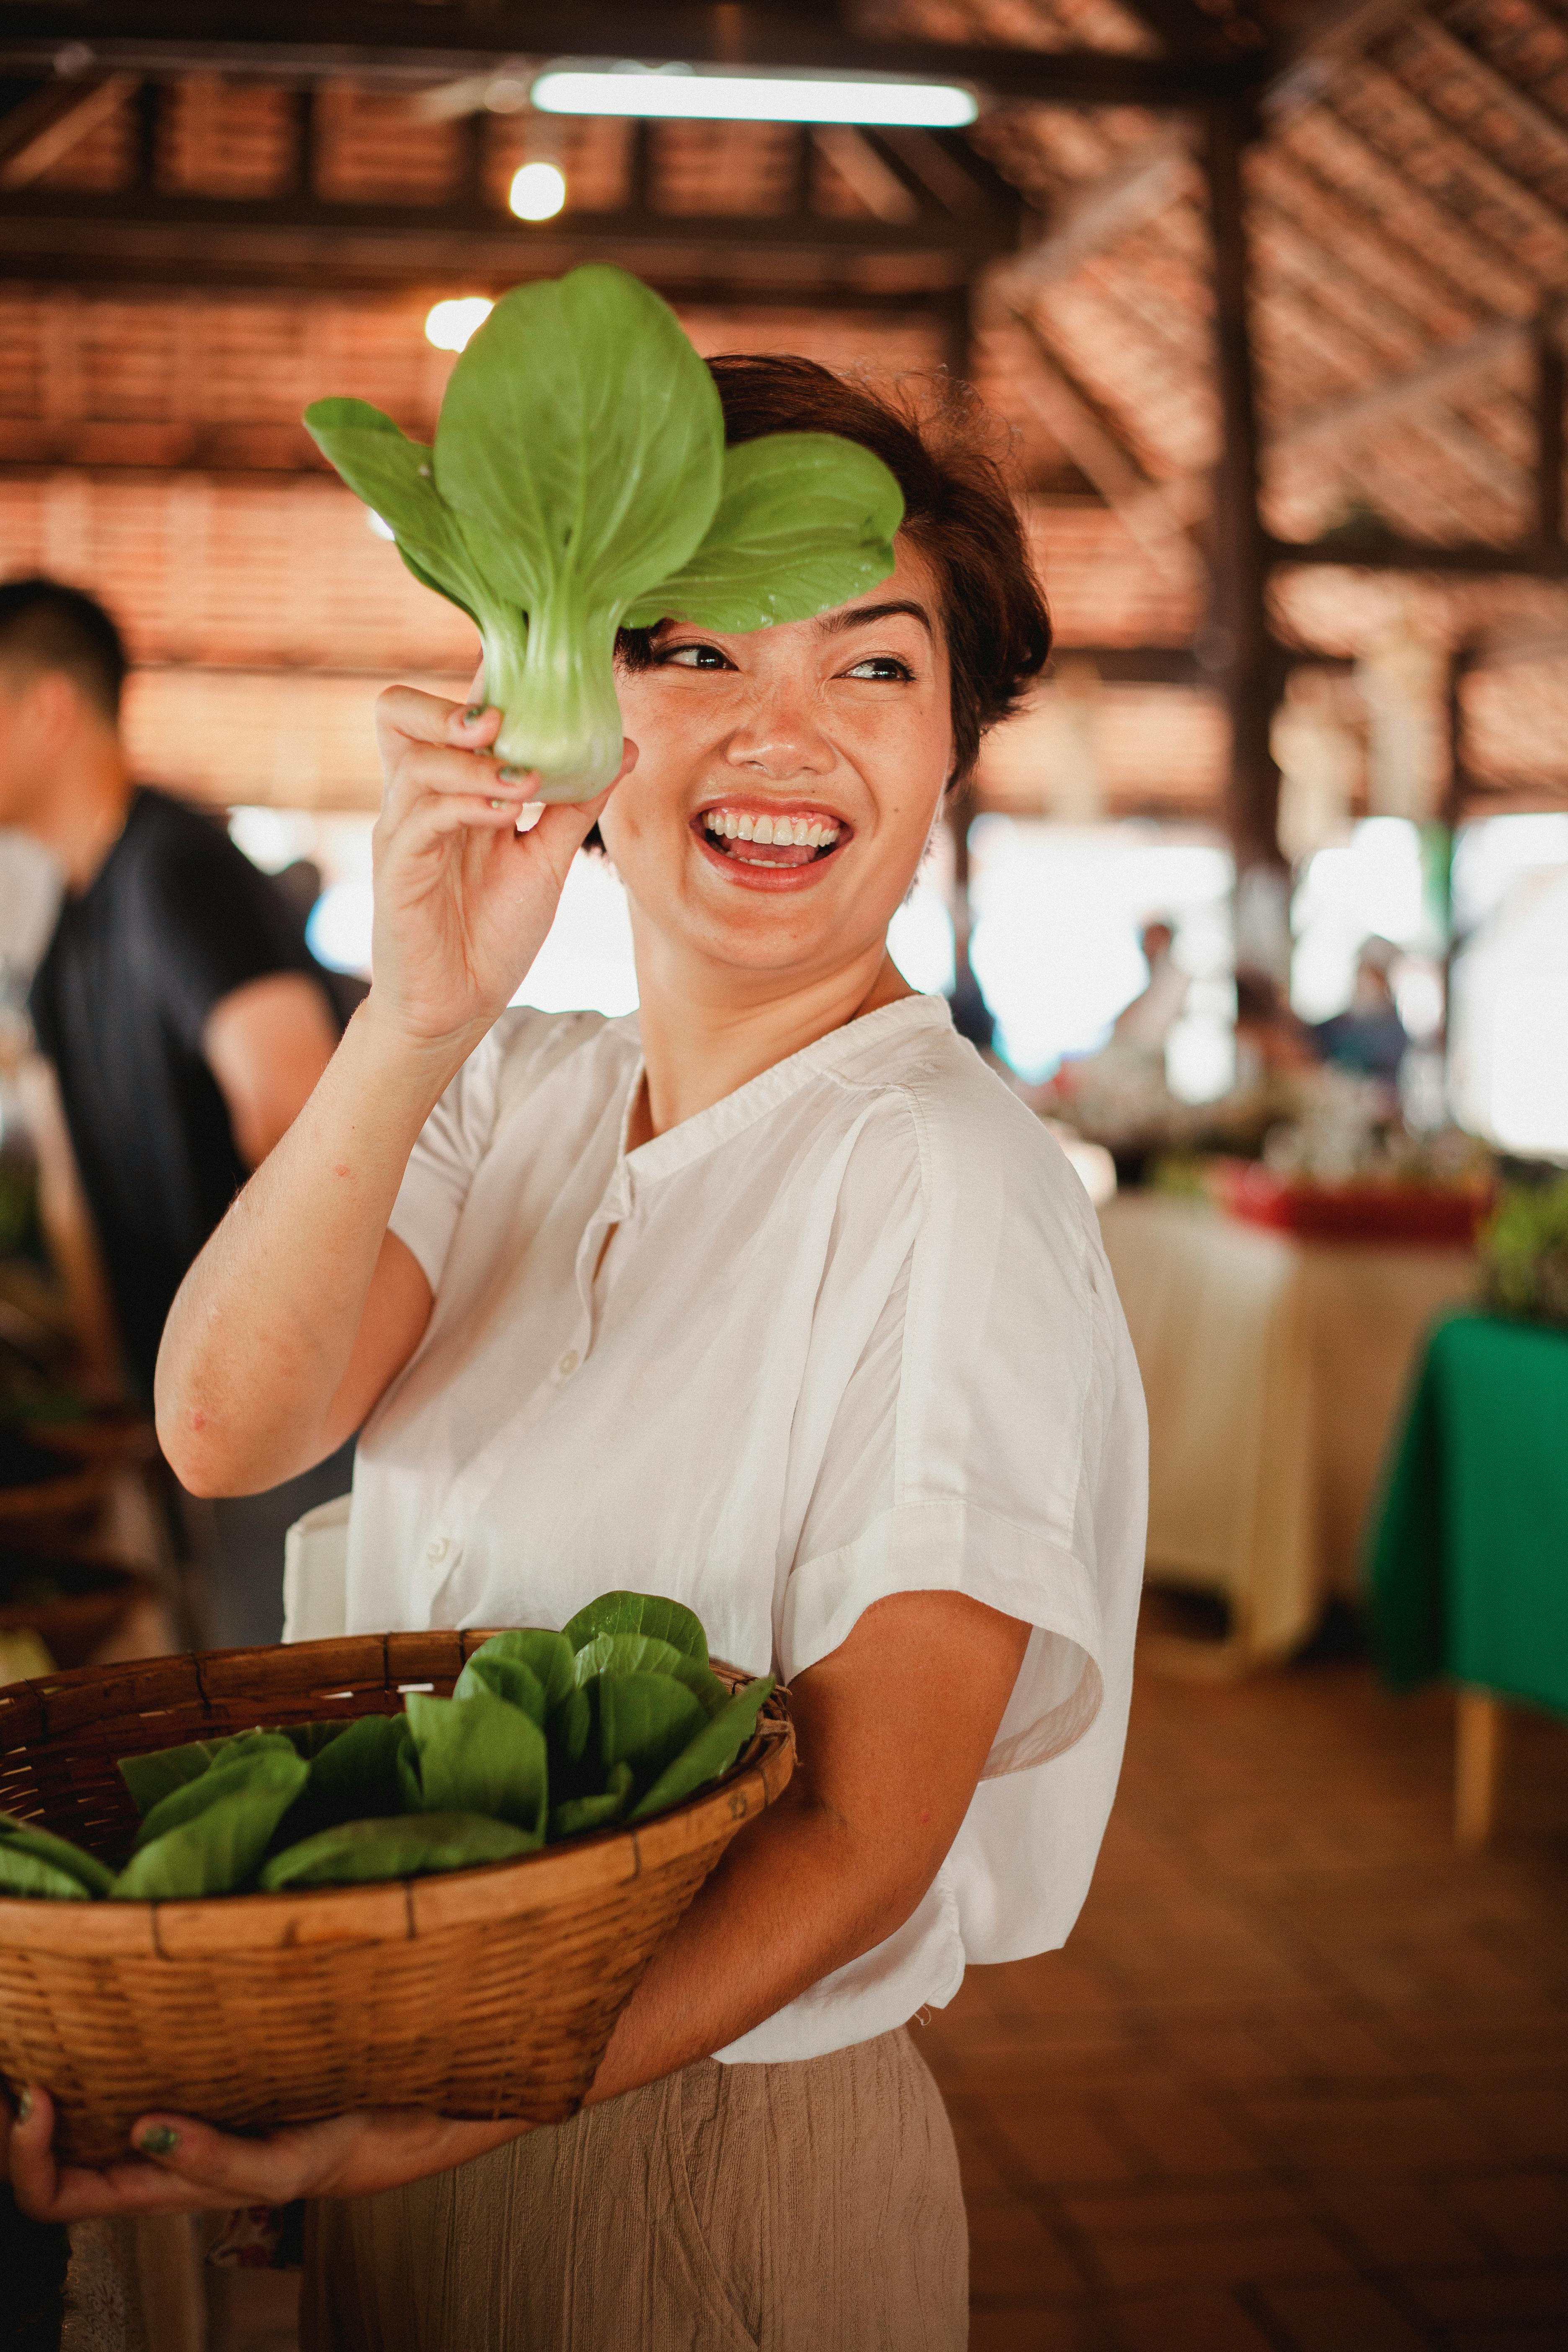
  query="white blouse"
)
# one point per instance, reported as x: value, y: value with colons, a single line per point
x: 853, y: 1334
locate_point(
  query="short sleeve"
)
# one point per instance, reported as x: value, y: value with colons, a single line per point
x: 213, y: 923
x: 493, y: 1083
x: 451, y: 1146
x: 965, y: 1454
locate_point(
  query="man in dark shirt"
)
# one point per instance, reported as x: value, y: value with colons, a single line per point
x: 182, y: 1013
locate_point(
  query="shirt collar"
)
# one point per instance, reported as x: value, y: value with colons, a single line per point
x: 872, y: 1034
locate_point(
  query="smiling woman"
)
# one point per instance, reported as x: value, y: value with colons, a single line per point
x: 771, y: 1298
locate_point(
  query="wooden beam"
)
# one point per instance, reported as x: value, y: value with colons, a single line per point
x: 1440, y: 377
x: 1107, y: 209
x: 1307, y: 60
x: 1075, y: 418
x: 1247, y: 669
x: 880, y: 188
x: 1187, y: 29
x: 53, y: 121
x: 1139, y: 187
x: 401, y: 41
x: 1386, y: 551
x: 63, y: 237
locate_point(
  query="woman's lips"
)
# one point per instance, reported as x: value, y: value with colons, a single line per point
x: 794, y: 844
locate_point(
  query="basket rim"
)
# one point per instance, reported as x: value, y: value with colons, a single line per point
x: 400, y: 1910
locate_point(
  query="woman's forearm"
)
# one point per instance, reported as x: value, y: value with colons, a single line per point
x: 263, y: 1329
x: 794, y: 1898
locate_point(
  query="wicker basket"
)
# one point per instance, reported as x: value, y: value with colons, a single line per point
x: 482, y: 1993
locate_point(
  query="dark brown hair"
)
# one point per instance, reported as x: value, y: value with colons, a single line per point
x: 958, y: 511
x: 44, y: 625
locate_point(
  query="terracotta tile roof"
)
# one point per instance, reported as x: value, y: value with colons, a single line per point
x: 1411, y: 208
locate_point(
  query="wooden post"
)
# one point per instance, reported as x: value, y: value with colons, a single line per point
x: 1550, y: 392
x: 1478, y: 1755
x: 1236, y: 645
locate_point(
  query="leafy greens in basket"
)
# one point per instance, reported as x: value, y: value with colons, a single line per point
x: 546, y: 1736
x: 579, y: 484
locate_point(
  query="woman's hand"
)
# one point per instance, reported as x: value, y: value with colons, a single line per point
x: 463, y: 900
x: 187, y: 2167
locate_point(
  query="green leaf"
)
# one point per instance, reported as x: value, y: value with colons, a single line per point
x: 529, y: 1668
x: 639, y: 1612
x: 646, y: 1653
x: 410, y: 1847
x: 211, y: 1835
x: 581, y: 440
x: 480, y: 1756
x: 396, y: 477
x: 310, y: 1739
x: 644, y: 1720
x: 711, y: 1753
x: 156, y: 1775
x: 228, y: 1771
x: 804, y: 521
x: 356, y: 1777
x: 35, y: 1862
x: 582, y: 434
x: 595, y: 1812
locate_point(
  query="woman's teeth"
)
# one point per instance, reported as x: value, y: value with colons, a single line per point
x: 797, y: 832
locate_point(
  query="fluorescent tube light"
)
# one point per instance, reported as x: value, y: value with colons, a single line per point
x: 678, y: 90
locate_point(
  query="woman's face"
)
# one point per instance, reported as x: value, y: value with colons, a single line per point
x: 786, y: 783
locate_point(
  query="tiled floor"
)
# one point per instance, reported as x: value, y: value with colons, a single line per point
x: 1300, y: 2079
x: 1299, y: 2083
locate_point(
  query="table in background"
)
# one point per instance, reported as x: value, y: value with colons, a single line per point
x: 1275, y: 1370
x: 1467, y: 1570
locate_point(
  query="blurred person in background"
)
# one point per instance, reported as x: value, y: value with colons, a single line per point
x: 1270, y: 1041
x: 183, y: 1022
x: 1369, y: 1037
x: 1149, y: 1020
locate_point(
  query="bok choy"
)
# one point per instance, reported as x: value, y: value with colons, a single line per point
x: 579, y: 483
x: 546, y: 1736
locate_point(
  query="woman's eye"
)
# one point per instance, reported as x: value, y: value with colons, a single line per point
x: 883, y: 666
x: 693, y: 657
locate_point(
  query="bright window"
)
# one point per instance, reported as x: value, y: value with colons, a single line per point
x: 1057, y: 911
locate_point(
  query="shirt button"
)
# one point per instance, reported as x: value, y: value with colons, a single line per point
x: 568, y: 1364
x: 437, y: 1548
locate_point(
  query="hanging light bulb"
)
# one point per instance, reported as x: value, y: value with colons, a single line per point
x: 538, y: 191
x: 449, y: 324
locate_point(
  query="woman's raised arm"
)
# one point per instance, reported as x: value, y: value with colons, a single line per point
x: 303, y: 1309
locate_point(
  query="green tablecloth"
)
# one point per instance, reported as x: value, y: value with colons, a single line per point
x: 1468, y: 1565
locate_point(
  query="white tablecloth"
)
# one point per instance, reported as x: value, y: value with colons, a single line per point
x: 1275, y: 1370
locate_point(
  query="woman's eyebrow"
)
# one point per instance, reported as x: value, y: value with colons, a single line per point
x: 834, y: 624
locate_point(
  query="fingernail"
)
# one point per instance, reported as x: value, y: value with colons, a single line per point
x: 512, y: 775
x: 158, y: 2139
x: 474, y: 713
x: 24, y: 2105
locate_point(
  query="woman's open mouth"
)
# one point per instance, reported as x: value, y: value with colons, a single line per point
x: 770, y: 841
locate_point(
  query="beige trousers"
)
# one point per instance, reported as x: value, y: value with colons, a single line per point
x: 808, y: 2207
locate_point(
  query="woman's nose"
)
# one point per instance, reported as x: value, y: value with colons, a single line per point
x: 780, y: 736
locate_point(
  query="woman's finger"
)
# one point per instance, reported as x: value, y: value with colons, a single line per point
x: 407, y: 713
x: 564, y: 826
x: 423, y: 771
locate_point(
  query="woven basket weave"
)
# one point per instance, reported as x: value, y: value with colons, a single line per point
x: 480, y: 1993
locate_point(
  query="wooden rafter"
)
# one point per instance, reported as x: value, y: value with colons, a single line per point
x: 400, y: 41
x: 53, y: 120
